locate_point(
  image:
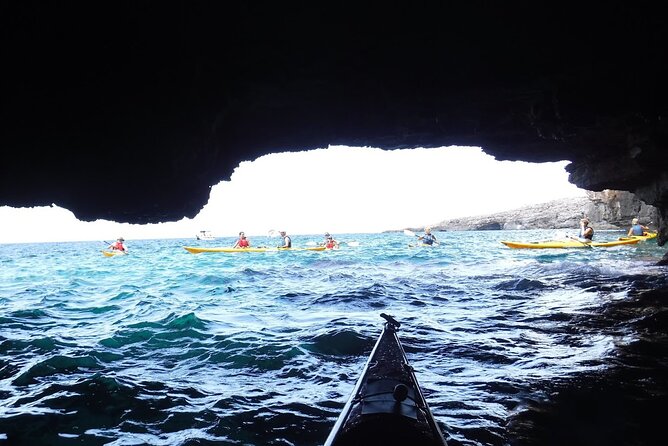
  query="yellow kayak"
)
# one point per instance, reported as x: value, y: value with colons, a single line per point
x: 113, y: 253
x: 645, y: 236
x: 199, y: 250
x: 556, y: 244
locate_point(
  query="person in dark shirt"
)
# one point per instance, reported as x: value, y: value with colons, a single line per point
x: 428, y: 238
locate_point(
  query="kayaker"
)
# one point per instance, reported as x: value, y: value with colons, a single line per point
x: 287, y: 241
x: 242, y: 241
x: 586, y: 231
x: 428, y: 238
x: 330, y: 243
x: 119, y: 245
x: 637, y: 228
x: 328, y: 240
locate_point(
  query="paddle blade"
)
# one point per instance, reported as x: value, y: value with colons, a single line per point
x: 409, y: 232
x: 272, y: 233
x: 353, y: 243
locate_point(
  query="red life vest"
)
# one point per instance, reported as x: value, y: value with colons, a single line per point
x: 330, y: 244
x: 118, y: 245
x: 243, y: 243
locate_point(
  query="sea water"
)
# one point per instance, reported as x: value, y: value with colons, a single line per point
x: 163, y: 347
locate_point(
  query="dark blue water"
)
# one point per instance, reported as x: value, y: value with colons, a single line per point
x: 163, y: 347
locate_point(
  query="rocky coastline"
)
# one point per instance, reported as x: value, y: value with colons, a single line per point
x: 606, y: 210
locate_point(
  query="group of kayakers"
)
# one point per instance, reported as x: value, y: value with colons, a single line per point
x: 242, y: 242
x: 328, y: 243
x: 587, y: 232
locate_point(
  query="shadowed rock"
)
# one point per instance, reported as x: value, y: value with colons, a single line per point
x: 134, y: 112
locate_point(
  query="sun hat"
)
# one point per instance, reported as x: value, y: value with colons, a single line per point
x: 634, y: 221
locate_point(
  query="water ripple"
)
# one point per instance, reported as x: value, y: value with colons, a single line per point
x: 165, y: 347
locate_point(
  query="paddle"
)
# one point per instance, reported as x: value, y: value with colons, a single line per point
x: 587, y: 244
x: 410, y: 233
x: 312, y: 243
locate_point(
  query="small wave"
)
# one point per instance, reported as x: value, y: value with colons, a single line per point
x: 339, y: 342
x: 29, y: 314
x: 521, y: 284
x: 56, y: 365
x: 38, y: 345
x: 210, y: 279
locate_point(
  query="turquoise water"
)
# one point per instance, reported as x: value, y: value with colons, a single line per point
x: 163, y: 347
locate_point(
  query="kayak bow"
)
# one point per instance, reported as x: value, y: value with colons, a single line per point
x: 387, y: 405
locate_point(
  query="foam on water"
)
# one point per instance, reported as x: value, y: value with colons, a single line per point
x: 166, y: 347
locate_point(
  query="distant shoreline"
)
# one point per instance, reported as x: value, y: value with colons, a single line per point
x: 607, y: 210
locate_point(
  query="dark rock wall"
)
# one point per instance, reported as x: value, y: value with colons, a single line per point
x: 131, y: 111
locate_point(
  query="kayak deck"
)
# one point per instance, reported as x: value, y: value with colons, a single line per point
x: 646, y: 236
x: 199, y: 250
x: 387, y: 405
x: 112, y: 253
x: 562, y: 244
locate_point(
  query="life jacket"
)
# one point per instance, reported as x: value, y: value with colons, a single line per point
x: 589, y: 235
x: 118, y: 245
x: 428, y: 239
x: 636, y: 230
x: 287, y: 242
x: 330, y: 244
x: 243, y: 243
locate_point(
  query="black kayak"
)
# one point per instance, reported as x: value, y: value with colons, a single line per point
x: 386, y: 406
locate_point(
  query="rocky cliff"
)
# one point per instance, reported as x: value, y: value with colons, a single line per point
x: 605, y: 210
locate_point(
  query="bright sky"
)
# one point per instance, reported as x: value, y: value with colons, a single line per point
x: 338, y: 189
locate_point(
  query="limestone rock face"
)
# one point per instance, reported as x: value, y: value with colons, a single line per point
x: 132, y: 113
x: 605, y: 210
x: 618, y: 208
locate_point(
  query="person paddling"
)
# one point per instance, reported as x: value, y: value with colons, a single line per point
x: 330, y: 243
x: 242, y: 241
x: 428, y: 238
x: 637, y: 228
x: 287, y: 241
x: 586, y: 231
x: 119, y: 245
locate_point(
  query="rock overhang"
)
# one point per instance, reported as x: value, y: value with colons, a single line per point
x: 133, y: 115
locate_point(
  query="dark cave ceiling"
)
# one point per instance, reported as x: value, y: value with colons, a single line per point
x: 132, y: 112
